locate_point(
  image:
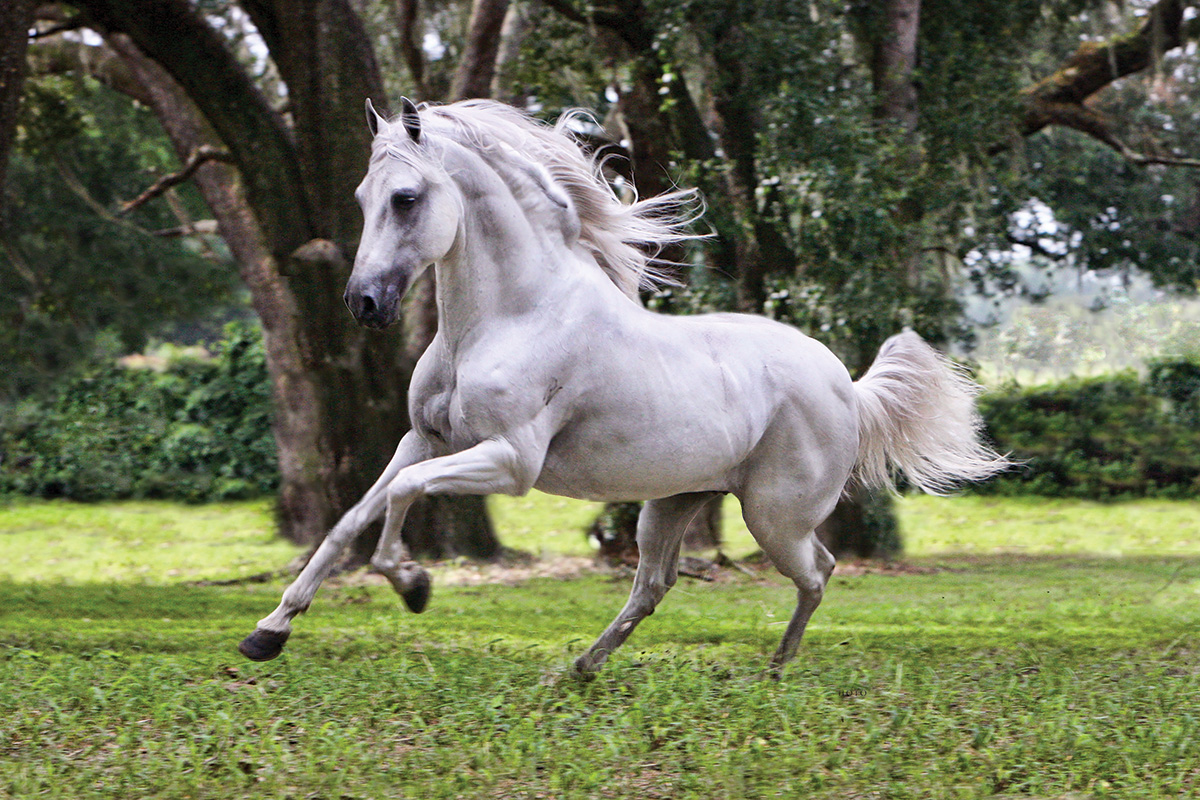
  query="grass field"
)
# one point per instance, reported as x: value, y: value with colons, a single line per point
x: 1028, y: 648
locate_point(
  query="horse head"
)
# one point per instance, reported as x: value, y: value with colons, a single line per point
x: 410, y: 217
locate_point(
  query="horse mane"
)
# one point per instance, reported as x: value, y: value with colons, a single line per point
x: 625, y: 239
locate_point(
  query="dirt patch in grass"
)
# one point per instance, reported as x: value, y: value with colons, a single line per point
x: 516, y: 568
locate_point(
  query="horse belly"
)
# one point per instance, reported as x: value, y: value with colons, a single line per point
x: 608, y: 463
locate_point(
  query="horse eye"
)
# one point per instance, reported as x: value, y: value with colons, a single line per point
x: 401, y: 201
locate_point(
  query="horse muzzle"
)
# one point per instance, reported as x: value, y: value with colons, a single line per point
x: 375, y: 305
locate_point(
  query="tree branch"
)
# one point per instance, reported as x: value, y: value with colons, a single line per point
x: 1093, y: 123
x: 78, y: 188
x: 59, y: 56
x: 1095, y: 65
x: 1035, y: 245
x: 72, y: 24
x: 199, y: 156
x: 1060, y: 99
x: 173, y: 33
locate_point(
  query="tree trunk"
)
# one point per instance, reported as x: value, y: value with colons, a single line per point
x: 16, y: 17
x: 340, y: 389
x: 615, y: 531
x: 303, y: 495
x: 893, y: 60
x: 409, y: 44
x: 473, y: 78
x: 864, y: 522
x: 759, y: 249
x: 862, y: 525
x: 704, y: 531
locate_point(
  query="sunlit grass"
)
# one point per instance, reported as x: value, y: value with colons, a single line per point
x: 161, y: 542
x: 1039, y: 525
x: 151, y: 542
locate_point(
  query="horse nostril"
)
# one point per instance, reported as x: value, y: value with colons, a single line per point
x: 361, y: 303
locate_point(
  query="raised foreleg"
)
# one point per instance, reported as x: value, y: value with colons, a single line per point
x: 269, y: 636
x: 492, y: 467
x: 660, y: 530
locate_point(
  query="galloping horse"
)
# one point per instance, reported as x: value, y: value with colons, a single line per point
x: 546, y: 372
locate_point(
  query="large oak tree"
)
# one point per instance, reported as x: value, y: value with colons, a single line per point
x: 277, y: 164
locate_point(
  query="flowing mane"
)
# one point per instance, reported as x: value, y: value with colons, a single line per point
x: 624, y: 238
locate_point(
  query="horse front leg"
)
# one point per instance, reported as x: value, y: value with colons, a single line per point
x: 491, y: 467
x: 271, y: 632
x: 393, y: 561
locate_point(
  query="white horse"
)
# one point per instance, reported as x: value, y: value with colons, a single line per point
x: 547, y: 373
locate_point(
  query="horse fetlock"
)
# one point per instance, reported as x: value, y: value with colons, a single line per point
x: 412, y: 582
x: 588, y: 665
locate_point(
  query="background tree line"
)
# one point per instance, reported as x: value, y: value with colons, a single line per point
x: 866, y: 165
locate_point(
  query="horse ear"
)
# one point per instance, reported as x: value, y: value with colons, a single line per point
x: 410, y: 118
x: 374, y: 120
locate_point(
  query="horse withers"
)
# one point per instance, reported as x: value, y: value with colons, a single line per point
x: 546, y: 371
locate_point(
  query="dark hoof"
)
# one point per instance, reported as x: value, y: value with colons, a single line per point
x: 584, y: 671
x: 263, y: 645
x: 417, y: 596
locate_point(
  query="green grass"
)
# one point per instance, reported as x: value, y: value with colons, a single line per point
x: 141, y: 542
x: 1019, y: 658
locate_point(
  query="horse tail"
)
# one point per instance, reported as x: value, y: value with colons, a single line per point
x: 916, y: 412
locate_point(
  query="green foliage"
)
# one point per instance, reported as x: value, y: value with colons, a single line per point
x: 73, y: 271
x: 199, y: 431
x: 1102, y: 438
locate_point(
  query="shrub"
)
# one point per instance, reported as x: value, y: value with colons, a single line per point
x: 200, y: 430
x: 1102, y: 438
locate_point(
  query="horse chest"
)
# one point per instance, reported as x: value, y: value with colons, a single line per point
x: 431, y: 416
x: 460, y: 413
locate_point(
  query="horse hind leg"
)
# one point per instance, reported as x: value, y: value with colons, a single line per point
x: 809, y: 569
x: 660, y: 530
x: 800, y: 556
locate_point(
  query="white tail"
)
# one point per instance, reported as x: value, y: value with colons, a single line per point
x: 916, y: 411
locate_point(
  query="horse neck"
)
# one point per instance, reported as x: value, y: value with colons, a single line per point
x: 501, y: 267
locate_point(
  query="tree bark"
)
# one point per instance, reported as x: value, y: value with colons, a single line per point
x: 863, y: 523
x: 174, y: 35
x: 473, y: 78
x: 16, y: 17
x: 1061, y: 97
x: 893, y: 61
x: 759, y: 247
x: 409, y: 43
x: 304, y: 499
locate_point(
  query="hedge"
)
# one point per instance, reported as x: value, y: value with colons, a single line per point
x: 1106, y: 438
x: 198, y: 431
